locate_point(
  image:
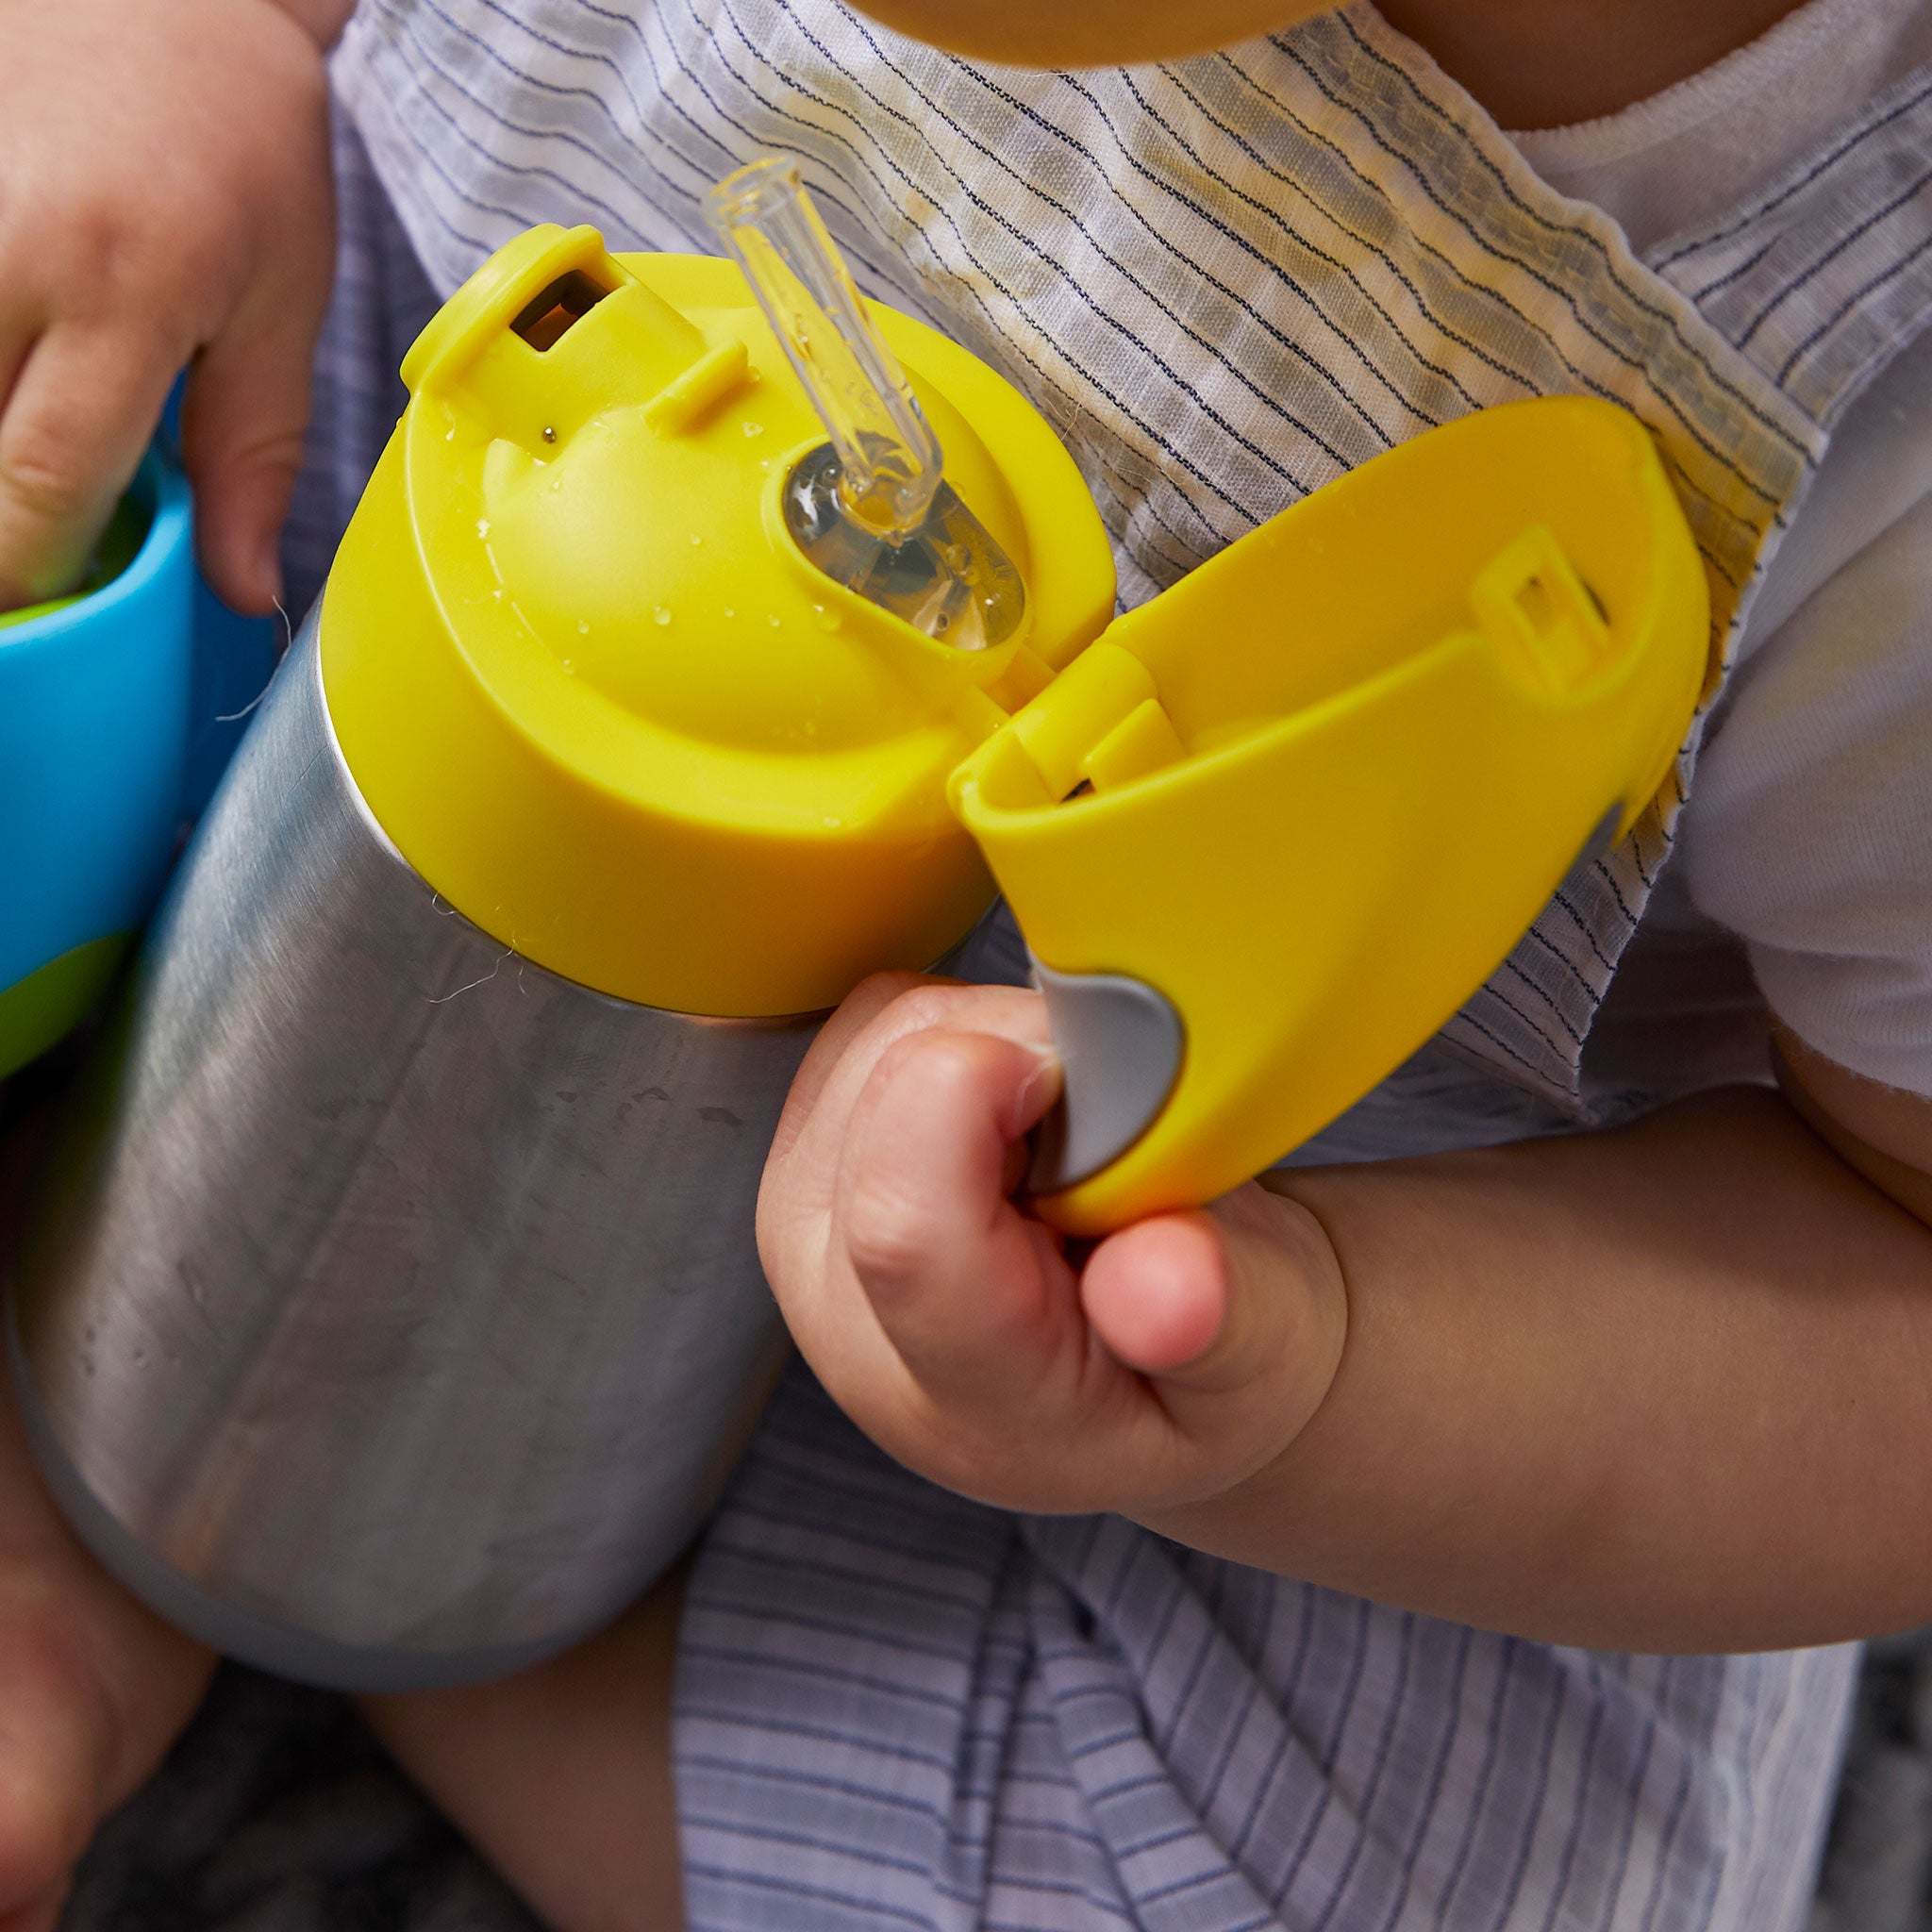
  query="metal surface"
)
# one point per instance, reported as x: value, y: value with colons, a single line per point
x: 389, y: 1287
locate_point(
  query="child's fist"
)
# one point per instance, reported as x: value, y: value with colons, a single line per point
x: 165, y: 195
x: 1178, y: 1358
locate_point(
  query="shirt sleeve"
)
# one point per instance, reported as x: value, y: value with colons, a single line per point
x: 1810, y: 828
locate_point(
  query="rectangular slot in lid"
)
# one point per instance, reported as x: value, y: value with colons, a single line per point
x: 559, y: 309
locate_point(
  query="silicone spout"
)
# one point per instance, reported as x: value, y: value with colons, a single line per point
x: 872, y: 508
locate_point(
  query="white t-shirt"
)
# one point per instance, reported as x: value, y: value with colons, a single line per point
x: 1810, y: 832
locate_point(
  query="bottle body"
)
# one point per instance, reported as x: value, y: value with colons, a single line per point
x: 394, y: 1316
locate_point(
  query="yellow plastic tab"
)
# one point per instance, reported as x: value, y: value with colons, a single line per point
x: 1142, y: 741
x: 1533, y: 607
x: 1095, y: 695
x: 1336, y: 772
x: 590, y: 687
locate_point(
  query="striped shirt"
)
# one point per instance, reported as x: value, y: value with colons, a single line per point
x: 1226, y: 282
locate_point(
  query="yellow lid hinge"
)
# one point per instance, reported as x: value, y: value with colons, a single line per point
x: 1077, y: 718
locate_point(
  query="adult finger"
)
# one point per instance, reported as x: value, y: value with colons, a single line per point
x: 78, y: 418
x: 19, y: 331
x: 244, y: 424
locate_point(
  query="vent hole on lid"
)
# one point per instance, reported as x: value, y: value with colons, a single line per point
x: 559, y: 310
x: 1537, y: 604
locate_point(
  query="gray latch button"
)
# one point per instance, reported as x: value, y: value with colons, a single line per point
x: 1120, y: 1045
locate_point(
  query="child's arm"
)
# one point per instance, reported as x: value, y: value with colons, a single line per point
x: 165, y: 195
x: 1666, y: 1388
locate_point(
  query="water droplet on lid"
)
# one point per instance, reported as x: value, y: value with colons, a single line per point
x: 729, y: 612
x: 583, y: 628
x: 569, y: 667
x: 834, y: 824
x: 772, y: 620
x: 754, y: 429
x: 696, y: 541
x: 497, y: 593
x: 660, y: 615
x: 449, y: 435
x: 811, y: 727
x: 482, y: 526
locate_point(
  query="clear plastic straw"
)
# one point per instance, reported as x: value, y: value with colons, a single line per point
x: 889, y: 462
x: 871, y: 507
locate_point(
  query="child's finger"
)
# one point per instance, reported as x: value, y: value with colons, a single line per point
x: 970, y: 1293
x: 881, y: 1010
x: 857, y: 1011
x: 799, y: 1237
x: 75, y: 424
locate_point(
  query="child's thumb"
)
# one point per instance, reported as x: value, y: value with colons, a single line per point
x: 1237, y: 1313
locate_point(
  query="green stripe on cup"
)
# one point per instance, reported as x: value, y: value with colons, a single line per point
x: 112, y: 555
x: 45, y: 1006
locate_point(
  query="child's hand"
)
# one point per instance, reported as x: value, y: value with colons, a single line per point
x: 1180, y: 1356
x: 165, y: 195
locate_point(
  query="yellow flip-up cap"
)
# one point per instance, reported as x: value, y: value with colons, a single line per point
x: 592, y: 691
x: 1270, y: 831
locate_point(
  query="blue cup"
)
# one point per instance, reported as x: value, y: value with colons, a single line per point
x: 95, y: 709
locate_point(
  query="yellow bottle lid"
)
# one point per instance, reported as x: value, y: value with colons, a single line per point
x: 1264, y: 836
x: 1303, y: 802
x: 593, y: 692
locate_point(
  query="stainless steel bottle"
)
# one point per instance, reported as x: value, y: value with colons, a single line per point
x: 394, y: 1315
x: 391, y: 1315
